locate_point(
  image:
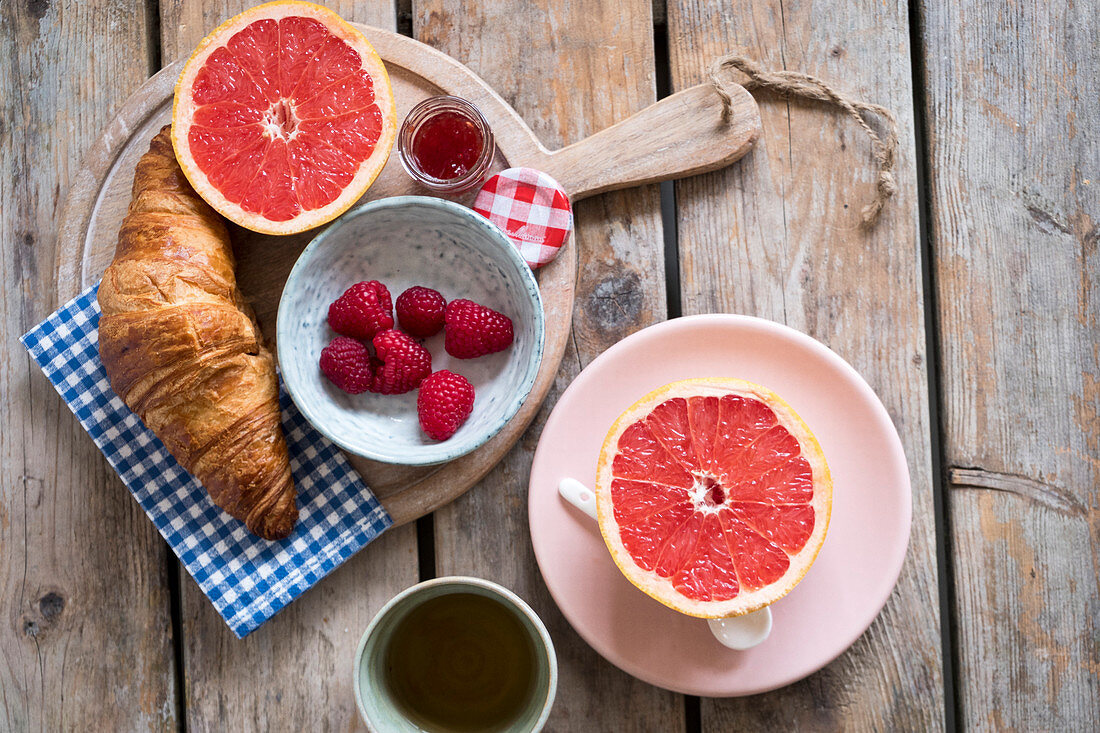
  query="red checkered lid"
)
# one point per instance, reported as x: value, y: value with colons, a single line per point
x: 532, y: 209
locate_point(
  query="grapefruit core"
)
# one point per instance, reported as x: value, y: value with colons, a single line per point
x: 283, y: 117
x: 713, y: 496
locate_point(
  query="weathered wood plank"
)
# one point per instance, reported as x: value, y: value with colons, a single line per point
x: 571, y: 69
x: 1015, y: 176
x: 295, y: 672
x: 778, y: 236
x: 86, y: 640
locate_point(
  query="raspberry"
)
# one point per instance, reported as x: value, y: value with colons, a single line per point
x: 420, y: 311
x: 362, y: 312
x: 347, y: 364
x: 444, y: 402
x: 474, y: 330
x: 401, y: 364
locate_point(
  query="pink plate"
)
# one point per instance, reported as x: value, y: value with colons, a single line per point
x: 847, y: 585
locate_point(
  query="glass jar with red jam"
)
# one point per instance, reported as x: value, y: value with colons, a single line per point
x: 446, y: 145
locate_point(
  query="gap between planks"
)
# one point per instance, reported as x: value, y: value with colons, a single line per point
x: 173, y: 566
x: 944, y: 571
x: 425, y: 525
x: 693, y: 713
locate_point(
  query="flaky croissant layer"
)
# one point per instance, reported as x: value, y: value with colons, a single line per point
x: 183, y: 351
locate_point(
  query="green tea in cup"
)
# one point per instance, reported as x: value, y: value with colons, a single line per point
x: 456, y: 654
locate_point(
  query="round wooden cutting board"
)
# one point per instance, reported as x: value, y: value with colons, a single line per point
x: 681, y: 135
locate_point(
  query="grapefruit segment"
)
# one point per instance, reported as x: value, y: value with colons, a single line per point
x: 222, y: 79
x: 791, y: 483
x: 640, y: 456
x: 742, y: 421
x: 709, y: 574
x: 645, y: 538
x: 271, y: 190
x: 758, y: 561
x: 703, y: 415
x: 334, y: 60
x: 636, y: 500
x: 256, y: 51
x: 787, y: 526
x: 354, y: 92
x: 283, y: 117
x: 669, y: 424
x: 679, y: 545
x: 226, y: 114
x: 713, y: 496
x: 300, y: 45
x: 774, y: 448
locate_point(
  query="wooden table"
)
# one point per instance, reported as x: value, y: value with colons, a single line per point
x: 973, y: 309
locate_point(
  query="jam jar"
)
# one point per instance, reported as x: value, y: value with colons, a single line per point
x: 446, y: 145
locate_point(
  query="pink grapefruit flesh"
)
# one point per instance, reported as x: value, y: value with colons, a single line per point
x: 713, y: 496
x: 283, y: 117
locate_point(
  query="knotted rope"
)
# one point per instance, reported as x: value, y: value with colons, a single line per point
x: 810, y: 87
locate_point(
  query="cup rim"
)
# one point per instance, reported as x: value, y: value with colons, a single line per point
x: 462, y: 580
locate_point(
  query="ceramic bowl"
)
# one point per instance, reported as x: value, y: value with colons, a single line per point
x: 404, y: 241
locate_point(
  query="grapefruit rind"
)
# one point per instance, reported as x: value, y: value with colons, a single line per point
x: 182, y: 116
x: 660, y: 588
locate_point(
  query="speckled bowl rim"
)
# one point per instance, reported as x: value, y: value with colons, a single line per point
x: 507, y: 250
x: 461, y: 581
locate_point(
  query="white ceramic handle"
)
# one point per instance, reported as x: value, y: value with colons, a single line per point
x: 579, y: 495
x: 743, y: 632
x: 736, y: 632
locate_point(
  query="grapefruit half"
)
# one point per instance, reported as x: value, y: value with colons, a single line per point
x: 283, y: 117
x: 713, y: 496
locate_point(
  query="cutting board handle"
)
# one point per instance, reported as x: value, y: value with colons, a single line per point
x: 679, y: 136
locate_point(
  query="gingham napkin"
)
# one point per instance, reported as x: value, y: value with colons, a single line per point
x: 532, y: 209
x: 246, y: 578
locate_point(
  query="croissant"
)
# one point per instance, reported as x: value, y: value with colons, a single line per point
x: 183, y: 350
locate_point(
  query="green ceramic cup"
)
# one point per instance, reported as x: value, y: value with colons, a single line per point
x: 376, y: 704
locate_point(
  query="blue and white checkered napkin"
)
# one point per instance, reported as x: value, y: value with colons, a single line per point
x: 246, y: 578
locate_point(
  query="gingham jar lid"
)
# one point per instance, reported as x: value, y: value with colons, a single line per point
x: 531, y: 208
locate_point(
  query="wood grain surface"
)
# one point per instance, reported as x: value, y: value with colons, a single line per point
x: 573, y: 53
x: 694, y: 139
x: 1015, y: 182
x: 86, y: 638
x: 1012, y: 162
x: 294, y: 673
x: 779, y: 236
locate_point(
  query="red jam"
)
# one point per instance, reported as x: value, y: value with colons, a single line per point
x: 447, y: 146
